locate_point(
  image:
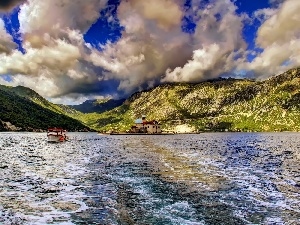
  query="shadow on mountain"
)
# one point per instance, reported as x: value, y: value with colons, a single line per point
x: 91, y: 106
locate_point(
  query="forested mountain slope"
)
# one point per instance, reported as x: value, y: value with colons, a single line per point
x: 19, y: 112
x: 223, y: 104
x: 218, y: 105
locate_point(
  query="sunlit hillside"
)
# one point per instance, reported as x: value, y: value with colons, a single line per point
x: 219, y: 105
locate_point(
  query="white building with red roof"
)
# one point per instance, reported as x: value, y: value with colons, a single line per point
x: 144, y: 126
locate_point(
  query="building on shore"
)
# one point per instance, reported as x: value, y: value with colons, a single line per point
x: 144, y: 126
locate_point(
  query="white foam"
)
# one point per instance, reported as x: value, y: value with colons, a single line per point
x: 239, y: 159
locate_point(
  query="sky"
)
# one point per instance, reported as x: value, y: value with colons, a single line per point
x: 69, y: 51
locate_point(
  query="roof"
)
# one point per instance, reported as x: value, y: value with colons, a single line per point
x: 151, y: 122
x: 56, y: 129
x: 138, y: 121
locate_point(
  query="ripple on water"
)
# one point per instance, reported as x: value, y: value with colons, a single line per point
x: 180, y: 179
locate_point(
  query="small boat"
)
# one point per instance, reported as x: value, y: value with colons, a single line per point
x: 56, y: 135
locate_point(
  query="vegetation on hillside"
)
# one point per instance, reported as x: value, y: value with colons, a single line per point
x: 220, y: 105
x: 25, y: 115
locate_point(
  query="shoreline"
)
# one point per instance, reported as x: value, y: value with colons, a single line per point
x: 124, y: 133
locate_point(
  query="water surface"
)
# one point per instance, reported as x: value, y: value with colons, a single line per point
x: 210, y: 178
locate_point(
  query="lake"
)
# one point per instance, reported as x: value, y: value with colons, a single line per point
x: 208, y: 178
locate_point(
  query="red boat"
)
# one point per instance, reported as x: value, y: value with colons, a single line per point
x: 57, y: 135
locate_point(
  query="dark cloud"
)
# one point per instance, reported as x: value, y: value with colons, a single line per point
x: 7, y: 5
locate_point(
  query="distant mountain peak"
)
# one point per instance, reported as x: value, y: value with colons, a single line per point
x: 98, y: 105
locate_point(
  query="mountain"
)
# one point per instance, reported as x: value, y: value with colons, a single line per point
x: 23, y: 109
x: 35, y: 97
x: 215, y: 105
x: 218, y: 105
x: 98, y: 106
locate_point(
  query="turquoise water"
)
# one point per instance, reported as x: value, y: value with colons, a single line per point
x: 210, y: 178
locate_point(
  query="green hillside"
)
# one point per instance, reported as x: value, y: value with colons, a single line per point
x: 19, y: 112
x: 35, y: 97
x: 219, y: 105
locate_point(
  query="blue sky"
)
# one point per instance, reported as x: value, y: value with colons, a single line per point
x: 100, y: 48
x: 112, y: 31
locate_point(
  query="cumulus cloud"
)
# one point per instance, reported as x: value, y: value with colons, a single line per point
x: 150, y: 44
x: 40, y: 20
x: 75, y: 82
x: 263, y: 14
x: 152, y: 49
x: 207, y: 62
x: 7, y: 5
x: 6, y: 41
x: 51, y: 70
x: 54, y: 60
x: 281, y: 26
x: 55, y: 57
x: 279, y: 39
x: 217, y: 41
x: 155, y: 11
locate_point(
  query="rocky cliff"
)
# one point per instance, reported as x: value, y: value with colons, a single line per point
x: 218, y: 105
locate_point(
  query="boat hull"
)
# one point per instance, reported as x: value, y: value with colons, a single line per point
x: 56, y: 138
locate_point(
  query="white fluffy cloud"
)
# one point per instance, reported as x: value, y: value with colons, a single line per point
x: 282, y: 26
x: 54, y: 60
x: 6, y: 41
x: 263, y: 14
x: 152, y: 41
x: 41, y: 19
x: 152, y: 49
x: 155, y: 11
x: 58, y: 57
x: 279, y: 39
x: 217, y: 41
